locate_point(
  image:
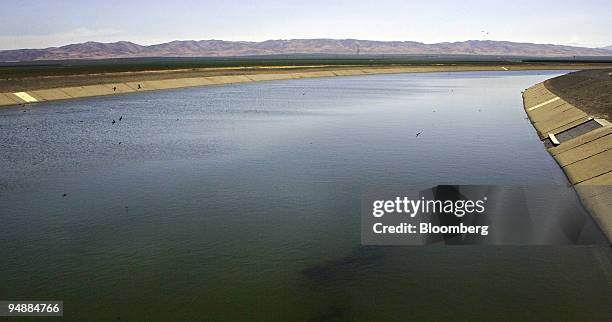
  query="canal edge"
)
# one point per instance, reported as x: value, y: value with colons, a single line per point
x: 582, y: 146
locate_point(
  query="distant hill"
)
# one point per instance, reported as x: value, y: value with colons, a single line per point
x: 216, y: 48
x: 608, y: 47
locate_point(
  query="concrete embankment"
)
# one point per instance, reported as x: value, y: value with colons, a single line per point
x: 581, y: 144
x: 31, y: 94
x: 63, y: 93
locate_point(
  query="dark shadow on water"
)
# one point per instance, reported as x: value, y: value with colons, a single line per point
x: 327, y: 278
x: 335, y: 312
x: 360, y: 258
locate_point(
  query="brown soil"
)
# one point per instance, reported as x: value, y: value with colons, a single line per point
x: 50, y: 81
x: 588, y: 90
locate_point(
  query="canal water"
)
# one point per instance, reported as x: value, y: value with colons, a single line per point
x: 242, y: 202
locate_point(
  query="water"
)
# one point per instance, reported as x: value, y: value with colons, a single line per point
x: 242, y: 202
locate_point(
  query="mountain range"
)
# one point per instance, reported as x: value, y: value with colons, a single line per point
x: 219, y: 48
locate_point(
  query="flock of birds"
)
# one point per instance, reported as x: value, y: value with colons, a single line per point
x: 113, y: 122
x: 120, y: 118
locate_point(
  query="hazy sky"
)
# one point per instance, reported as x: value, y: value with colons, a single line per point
x: 45, y: 23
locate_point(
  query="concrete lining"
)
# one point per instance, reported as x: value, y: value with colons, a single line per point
x: 600, y: 206
x: 36, y: 96
x: 167, y: 84
x: 50, y: 94
x: 75, y: 92
x: 600, y: 185
x: 544, y: 103
x: 268, y: 77
x: 586, y: 158
x: 545, y: 113
x: 563, y: 116
x: 94, y: 90
x: 321, y: 74
x: 536, y: 95
x: 595, y: 186
x: 584, y: 151
x: 590, y: 167
x: 119, y: 88
x: 25, y: 97
x: 558, y: 107
x: 6, y: 99
x: 63, y: 93
x: 602, y: 122
x: 17, y: 99
x: 228, y: 79
x: 133, y: 86
x: 195, y: 81
x: 349, y: 72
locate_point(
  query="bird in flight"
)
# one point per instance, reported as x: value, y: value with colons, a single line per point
x: 417, y: 135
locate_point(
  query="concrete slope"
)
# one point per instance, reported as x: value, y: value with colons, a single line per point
x: 89, y: 90
x: 581, y: 145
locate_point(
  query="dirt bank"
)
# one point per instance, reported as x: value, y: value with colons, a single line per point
x: 588, y: 90
x: 13, y: 83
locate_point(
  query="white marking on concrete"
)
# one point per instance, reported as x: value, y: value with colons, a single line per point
x: 544, y: 103
x: 603, y: 122
x: 26, y: 97
x: 553, y: 139
x: 504, y: 68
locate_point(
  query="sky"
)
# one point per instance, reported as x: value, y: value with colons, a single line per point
x: 48, y: 23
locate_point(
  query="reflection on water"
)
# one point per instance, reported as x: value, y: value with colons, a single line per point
x: 243, y: 201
